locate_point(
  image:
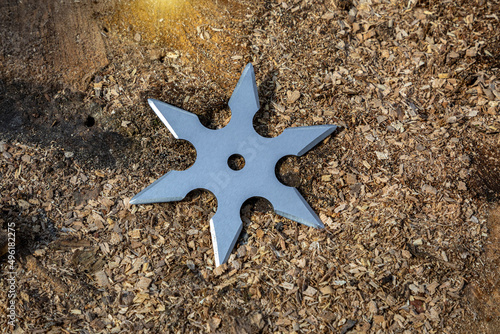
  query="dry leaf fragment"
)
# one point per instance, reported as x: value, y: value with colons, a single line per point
x: 472, y: 52
x: 328, y: 16
x: 260, y: 233
x: 432, y: 287
x: 257, y: 320
x: 192, y: 232
x: 469, y: 19
x: 143, y: 283
x: 326, y: 178
x: 108, y: 203
x: 99, y: 173
x: 378, y: 319
x: 242, y: 251
x: 23, y: 204
x: 382, y: 155
x: 339, y: 282
x: 369, y: 34
x: 310, y: 291
x: 293, y: 96
x: 140, y: 298
x: 135, y: 234
x: 287, y: 285
x: 418, y: 305
x: 98, y: 221
x: 433, y: 314
x: 325, y: 219
x: 172, y: 55
x: 429, y: 189
x: 341, y: 207
x: 406, y: 254
x: 115, y: 238
x: 39, y: 252
x: 278, y: 107
x: 350, y: 179
x: 326, y: 290
x: 283, y: 322
x: 220, y: 269
x: 190, y: 264
x: 101, y: 278
x: 213, y: 324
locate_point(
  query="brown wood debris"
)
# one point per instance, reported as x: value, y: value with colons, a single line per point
x: 405, y: 187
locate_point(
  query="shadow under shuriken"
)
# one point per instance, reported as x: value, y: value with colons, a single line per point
x: 267, y: 94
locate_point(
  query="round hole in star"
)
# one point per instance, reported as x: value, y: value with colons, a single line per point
x: 236, y: 162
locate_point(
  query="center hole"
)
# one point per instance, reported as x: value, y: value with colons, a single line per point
x: 236, y: 162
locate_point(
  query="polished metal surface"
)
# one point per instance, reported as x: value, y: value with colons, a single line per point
x: 233, y: 187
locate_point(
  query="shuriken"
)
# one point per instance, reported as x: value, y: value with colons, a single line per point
x: 231, y: 187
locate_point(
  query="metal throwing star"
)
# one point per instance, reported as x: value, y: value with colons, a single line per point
x: 233, y: 187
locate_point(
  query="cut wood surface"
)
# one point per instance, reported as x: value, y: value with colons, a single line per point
x: 50, y: 41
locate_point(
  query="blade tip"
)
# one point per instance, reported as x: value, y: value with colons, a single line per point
x: 330, y: 128
x: 152, y: 102
x: 135, y: 200
x: 248, y: 67
x: 320, y: 225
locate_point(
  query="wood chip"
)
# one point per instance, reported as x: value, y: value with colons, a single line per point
x: 102, y: 279
x: 143, y: 283
x: 293, y: 96
x: 310, y: 291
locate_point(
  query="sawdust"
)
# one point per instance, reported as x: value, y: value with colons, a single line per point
x: 407, y: 188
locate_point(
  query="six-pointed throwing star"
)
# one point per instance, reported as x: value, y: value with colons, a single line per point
x: 233, y: 187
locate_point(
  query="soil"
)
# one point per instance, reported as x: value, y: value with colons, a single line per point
x: 407, y: 187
